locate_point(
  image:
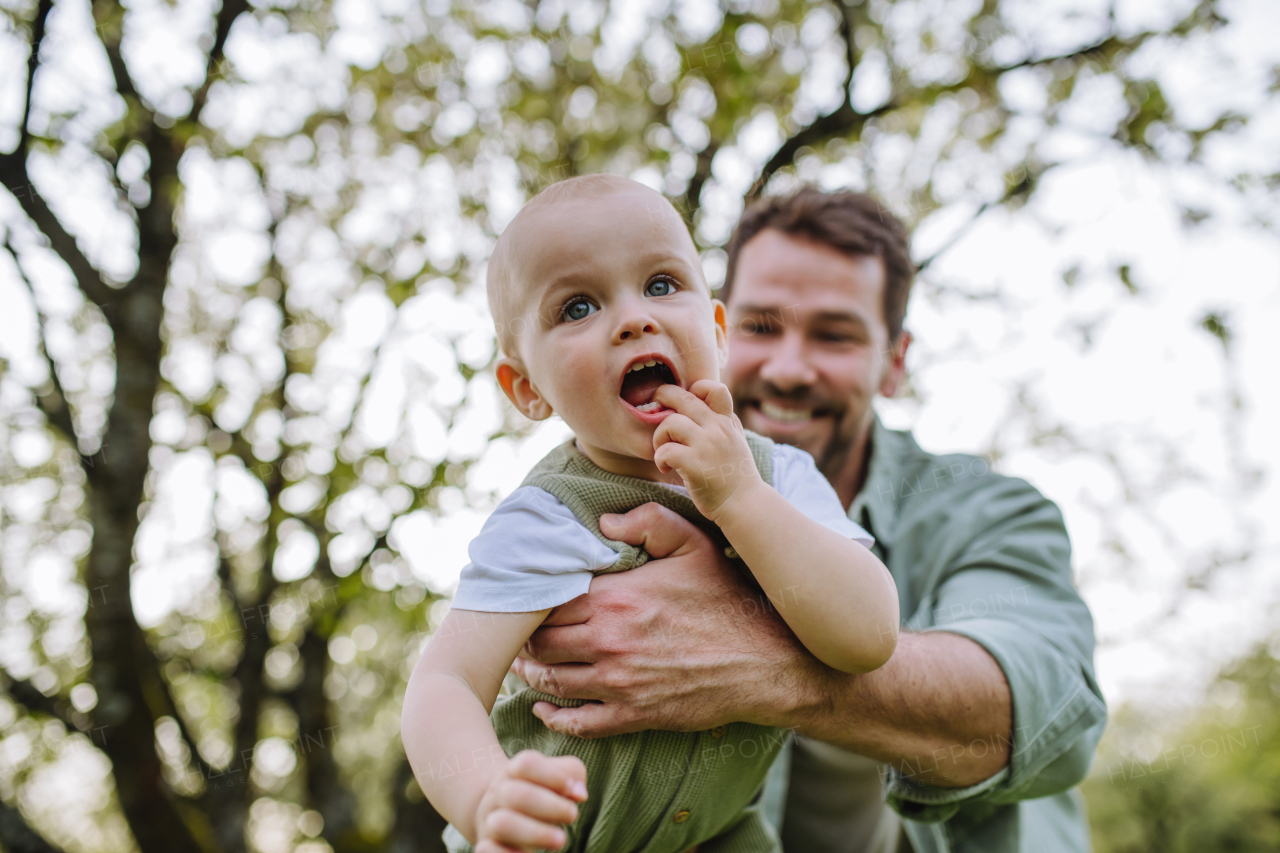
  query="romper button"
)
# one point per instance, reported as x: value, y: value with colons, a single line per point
x: 718, y: 731
x: 681, y: 816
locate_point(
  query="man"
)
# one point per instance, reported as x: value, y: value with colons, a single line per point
x: 988, y: 713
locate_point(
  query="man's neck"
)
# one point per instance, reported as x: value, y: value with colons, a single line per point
x: 848, y: 478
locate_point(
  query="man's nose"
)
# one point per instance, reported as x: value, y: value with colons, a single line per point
x: 786, y: 366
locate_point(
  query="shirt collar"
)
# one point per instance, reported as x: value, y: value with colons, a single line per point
x: 875, y: 507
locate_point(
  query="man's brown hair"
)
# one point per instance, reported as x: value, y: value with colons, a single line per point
x: 852, y: 223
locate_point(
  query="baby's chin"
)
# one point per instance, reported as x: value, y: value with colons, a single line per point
x: 639, y: 450
x: 636, y: 447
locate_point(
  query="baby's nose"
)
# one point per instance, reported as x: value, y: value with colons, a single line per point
x: 634, y: 324
x: 636, y: 330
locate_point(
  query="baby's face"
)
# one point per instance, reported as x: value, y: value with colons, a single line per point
x: 614, y: 305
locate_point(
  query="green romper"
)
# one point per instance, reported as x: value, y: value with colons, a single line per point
x: 652, y: 791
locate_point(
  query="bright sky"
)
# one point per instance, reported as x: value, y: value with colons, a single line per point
x: 1131, y: 377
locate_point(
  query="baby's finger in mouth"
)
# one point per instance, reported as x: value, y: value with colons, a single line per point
x: 675, y: 397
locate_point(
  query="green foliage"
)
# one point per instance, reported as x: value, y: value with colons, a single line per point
x: 1212, y: 783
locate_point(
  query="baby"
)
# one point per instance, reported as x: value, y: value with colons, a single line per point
x: 604, y: 318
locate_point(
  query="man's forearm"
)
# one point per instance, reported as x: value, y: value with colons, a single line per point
x: 939, y: 711
x: 681, y: 644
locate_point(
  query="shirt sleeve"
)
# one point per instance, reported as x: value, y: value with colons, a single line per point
x: 531, y: 554
x: 1009, y: 589
x: 797, y: 478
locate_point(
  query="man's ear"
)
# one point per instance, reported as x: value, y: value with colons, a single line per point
x: 520, y: 391
x: 895, y: 366
x: 722, y: 330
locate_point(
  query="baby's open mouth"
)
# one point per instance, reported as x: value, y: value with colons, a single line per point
x: 642, y: 379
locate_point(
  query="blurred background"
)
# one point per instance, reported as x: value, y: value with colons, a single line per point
x: 248, y: 422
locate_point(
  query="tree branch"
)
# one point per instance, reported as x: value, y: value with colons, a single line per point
x: 1106, y: 47
x: 125, y: 672
x: 702, y: 172
x: 325, y: 791
x: 17, y: 836
x: 1021, y: 189
x: 231, y: 9
x: 13, y: 173
x: 367, y: 379
x: 229, y: 807
x: 848, y: 31
x: 846, y: 119
x: 256, y: 642
x: 56, y: 406
x: 26, y: 694
x: 33, y: 62
x: 169, y: 707
x: 108, y: 18
x: 842, y: 120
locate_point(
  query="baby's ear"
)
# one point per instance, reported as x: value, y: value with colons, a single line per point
x: 722, y: 330
x: 520, y: 391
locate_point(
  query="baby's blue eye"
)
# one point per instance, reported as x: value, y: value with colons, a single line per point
x: 660, y: 287
x: 577, y: 309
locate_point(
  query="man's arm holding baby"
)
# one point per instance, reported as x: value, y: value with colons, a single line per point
x: 495, y: 802
x: 683, y: 643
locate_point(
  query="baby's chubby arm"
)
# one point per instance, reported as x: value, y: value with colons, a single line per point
x: 496, y: 802
x: 836, y: 596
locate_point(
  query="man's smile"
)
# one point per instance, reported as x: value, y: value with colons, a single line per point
x: 810, y: 423
x: 785, y: 414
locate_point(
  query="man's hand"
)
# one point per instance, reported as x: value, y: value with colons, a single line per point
x: 680, y: 643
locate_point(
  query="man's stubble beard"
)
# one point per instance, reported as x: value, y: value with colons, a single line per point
x: 833, y: 461
x: 849, y: 419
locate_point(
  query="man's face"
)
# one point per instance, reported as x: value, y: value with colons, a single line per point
x: 808, y: 344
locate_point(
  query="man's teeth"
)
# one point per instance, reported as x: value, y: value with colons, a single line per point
x: 641, y: 365
x: 647, y: 408
x: 788, y: 416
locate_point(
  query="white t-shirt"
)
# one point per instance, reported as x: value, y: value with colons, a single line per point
x: 533, y: 553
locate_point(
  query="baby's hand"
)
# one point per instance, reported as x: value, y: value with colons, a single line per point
x: 528, y: 801
x: 704, y: 442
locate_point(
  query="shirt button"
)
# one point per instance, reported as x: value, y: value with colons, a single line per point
x: 718, y: 731
x: 681, y: 816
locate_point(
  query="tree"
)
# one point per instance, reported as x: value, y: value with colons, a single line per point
x: 242, y: 258
x: 1204, y: 783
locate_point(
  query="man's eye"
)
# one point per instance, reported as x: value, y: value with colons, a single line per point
x: 838, y: 336
x: 577, y: 309
x: 660, y: 287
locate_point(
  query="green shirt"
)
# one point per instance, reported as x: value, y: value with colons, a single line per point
x: 987, y: 556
